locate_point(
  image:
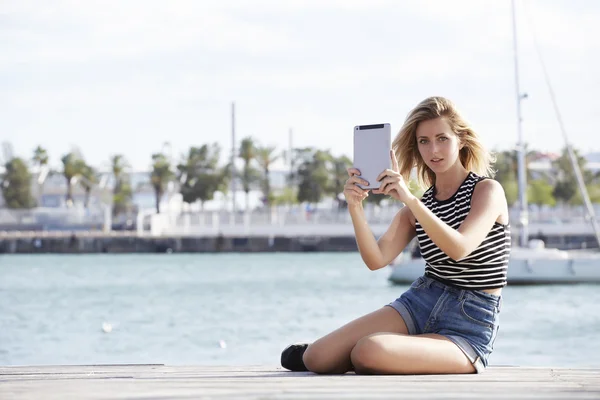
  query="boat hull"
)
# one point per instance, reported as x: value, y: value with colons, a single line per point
x: 526, y: 268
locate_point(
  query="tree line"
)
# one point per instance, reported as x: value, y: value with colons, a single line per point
x: 555, y: 186
x: 314, y: 175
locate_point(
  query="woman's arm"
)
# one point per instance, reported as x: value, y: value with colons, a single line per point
x: 378, y: 253
x: 487, y: 204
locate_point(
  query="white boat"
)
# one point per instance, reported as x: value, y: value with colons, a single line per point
x: 530, y: 261
x: 527, y: 266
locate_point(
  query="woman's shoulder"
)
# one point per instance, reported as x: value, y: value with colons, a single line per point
x: 489, y: 196
x: 487, y: 187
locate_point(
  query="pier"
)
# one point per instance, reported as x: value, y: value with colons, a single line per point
x: 255, y: 382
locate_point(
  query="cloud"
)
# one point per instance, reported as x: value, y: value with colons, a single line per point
x: 166, y: 70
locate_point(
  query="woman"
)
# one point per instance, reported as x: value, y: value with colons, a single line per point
x: 447, y: 322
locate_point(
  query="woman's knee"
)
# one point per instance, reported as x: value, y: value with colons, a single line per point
x: 314, y: 359
x: 319, y: 360
x: 366, y: 355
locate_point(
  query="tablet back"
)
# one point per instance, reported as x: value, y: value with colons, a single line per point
x: 372, y: 144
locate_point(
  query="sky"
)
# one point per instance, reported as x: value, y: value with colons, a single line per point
x: 142, y: 76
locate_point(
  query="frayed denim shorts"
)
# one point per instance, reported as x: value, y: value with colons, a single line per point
x: 469, y: 318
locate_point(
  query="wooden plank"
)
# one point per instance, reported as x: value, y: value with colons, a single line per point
x: 155, y: 381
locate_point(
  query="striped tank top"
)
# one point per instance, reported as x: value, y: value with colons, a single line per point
x: 486, y: 267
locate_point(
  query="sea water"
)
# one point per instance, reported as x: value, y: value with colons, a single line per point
x: 242, y: 309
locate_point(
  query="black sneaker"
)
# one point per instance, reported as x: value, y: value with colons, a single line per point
x: 291, y: 357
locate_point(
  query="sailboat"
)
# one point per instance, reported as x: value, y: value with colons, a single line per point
x: 530, y: 261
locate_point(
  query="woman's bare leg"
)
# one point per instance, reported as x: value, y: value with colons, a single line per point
x: 331, y: 353
x: 388, y: 353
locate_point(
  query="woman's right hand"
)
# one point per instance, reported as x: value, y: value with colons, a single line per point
x: 352, y: 192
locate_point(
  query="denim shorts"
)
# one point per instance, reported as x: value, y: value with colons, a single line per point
x: 469, y: 318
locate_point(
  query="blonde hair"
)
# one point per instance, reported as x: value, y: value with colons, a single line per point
x: 473, y: 155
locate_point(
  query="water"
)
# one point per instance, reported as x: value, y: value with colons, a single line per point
x: 237, y: 309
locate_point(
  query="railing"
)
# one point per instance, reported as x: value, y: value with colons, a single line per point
x: 281, y: 221
x: 294, y: 222
x: 48, y: 219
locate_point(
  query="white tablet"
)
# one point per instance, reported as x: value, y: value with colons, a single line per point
x: 372, y: 144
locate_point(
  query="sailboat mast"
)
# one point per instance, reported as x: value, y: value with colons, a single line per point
x: 233, y: 155
x: 521, y: 173
x: 571, y: 153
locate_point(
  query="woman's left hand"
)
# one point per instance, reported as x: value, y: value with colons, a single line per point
x: 392, y: 183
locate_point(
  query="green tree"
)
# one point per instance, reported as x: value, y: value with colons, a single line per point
x: 40, y: 156
x: 313, y: 175
x: 593, y: 190
x: 16, y: 185
x: 40, y: 159
x: 160, y: 177
x: 540, y: 192
x: 123, y: 197
x: 122, y: 192
x: 594, y: 193
x: 200, y: 175
x: 566, y: 184
x: 339, y: 176
x: 71, y: 168
x: 188, y: 171
x: 250, y: 175
x: 511, y: 190
x: 88, y: 179
x: 265, y: 157
x: 506, y: 174
x: 208, y: 184
x: 564, y: 190
x: 506, y: 165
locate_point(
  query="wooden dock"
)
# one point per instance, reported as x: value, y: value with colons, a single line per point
x: 195, y: 382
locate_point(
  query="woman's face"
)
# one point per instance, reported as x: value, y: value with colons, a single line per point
x: 437, y: 144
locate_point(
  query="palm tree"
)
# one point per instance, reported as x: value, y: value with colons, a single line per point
x: 89, y: 179
x: 566, y: 186
x: 188, y: 170
x: 161, y: 176
x: 121, y: 190
x: 40, y: 159
x: 71, y: 168
x: 314, y: 176
x: 249, y: 173
x: 264, y: 158
x: 118, y: 166
x: 339, y: 175
x: 40, y: 156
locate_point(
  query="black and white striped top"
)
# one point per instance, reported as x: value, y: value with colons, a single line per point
x: 486, y: 266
